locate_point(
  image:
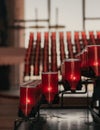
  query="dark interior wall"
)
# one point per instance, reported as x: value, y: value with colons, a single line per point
x: 4, y: 70
x: 3, y: 23
x: 10, y: 20
x: 10, y: 10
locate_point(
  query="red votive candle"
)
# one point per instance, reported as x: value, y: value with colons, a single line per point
x: 84, y: 59
x: 68, y: 35
x: 76, y: 35
x: 72, y: 72
x: 94, y: 58
x: 63, y: 70
x: 49, y: 85
x: 83, y: 35
x: 27, y: 99
x: 98, y: 35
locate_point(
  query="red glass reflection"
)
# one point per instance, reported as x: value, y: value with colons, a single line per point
x: 84, y: 39
x: 76, y: 35
x: 94, y: 58
x: 84, y: 59
x: 69, y: 45
x: 27, y: 99
x: 38, y: 36
x: 31, y: 39
x: 98, y: 37
x: 38, y: 92
x: 68, y: 35
x: 72, y: 72
x: 77, y: 42
x: 46, y: 35
x: 83, y: 35
x: 91, y: 38
x: 63, y: 70
x: 50, y: 85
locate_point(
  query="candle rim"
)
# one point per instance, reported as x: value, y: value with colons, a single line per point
x: 29, y: 86
x: 72, y: 59
x: 50, y: 72
x: 92, y: 45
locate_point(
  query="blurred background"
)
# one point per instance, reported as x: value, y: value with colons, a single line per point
x: 20, y: 17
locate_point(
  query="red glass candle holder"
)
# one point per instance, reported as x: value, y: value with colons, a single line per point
x: 72, y: 72
x: 92, y: 38
x: 61, y: 35
x: 84, y: 59
x: 53, y: 36
x: 84, y: 39
x: 27, y: 66
x: 98, y: 37
x: 46, y: 36
x: 63, y: 70
x: 83, y: 35
x: 38, y: 36
x: 49, y: 85
x: 76, y: 35
x: 31, y: 40
x: 27, y: 99
x: 94, y: 58
x: 38, y: 93
x: 68, y: 36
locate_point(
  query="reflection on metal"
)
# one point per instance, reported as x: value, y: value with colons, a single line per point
x: 61, y: 119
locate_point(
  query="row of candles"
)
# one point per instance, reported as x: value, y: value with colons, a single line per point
x: 31, y: 93
x: 72, y: 69
x: 37, y: 57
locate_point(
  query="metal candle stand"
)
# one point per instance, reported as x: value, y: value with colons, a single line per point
x: 95, y: 103
x: 33, y: 117
x: 88, y: 65
x: 70, y: 92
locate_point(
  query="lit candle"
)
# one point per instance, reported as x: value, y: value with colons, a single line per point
x: 68, y: 36
x: 49, y: 85
x: 27, y: 99
x: 94, y: 58
x: 72, y: 73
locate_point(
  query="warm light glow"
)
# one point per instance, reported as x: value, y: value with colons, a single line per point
x: 49, y: 89
x: 72, y: 72
x: 95, y: 64
x: 28, y: 101
x: 73, y: 77
x: 49, y: 85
